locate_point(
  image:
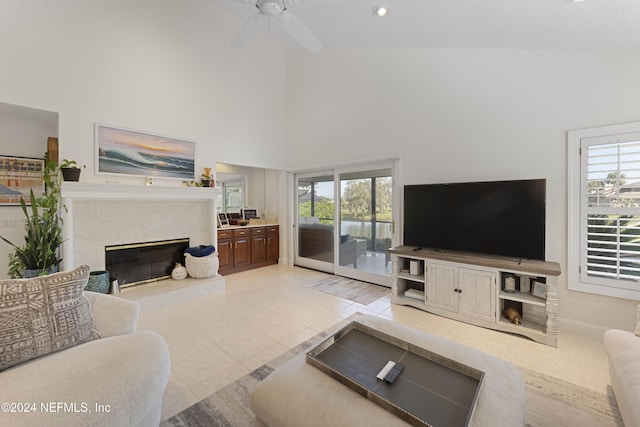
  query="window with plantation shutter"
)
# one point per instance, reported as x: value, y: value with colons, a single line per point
x: 604, y: 211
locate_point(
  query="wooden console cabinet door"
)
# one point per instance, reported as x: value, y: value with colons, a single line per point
x: 477, y: 294
x: 225, y: 250
x: 442, y: 281
x: 273, y: 243
x: 258, y: 245
x: 241, y: 247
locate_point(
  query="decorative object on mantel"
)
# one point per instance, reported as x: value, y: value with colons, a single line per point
x: 201, y: 261
x: 43, y: 230
x: 179, y: 272
x: 207, y: 179
x: 128, y: 152
x: 70, y: 170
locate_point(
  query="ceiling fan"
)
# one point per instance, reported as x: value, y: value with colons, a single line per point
x: 276, y: 10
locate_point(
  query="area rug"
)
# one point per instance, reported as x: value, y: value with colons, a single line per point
x: 354, y: 290
x: 551, y: 402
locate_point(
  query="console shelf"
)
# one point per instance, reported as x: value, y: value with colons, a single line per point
x: 471, y: 288
x: 523, y: 297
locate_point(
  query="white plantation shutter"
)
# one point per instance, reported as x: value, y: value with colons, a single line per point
x: 610, y: 211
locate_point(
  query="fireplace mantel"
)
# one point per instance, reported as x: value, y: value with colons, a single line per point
x: 97, y: 191
x: 80, y: 193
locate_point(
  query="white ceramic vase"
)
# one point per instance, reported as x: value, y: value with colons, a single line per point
x: 179, y: 272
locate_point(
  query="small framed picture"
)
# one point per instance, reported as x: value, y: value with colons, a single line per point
x: 223, y: 221
x: 525, y: 284
x: 538, y: 289
x: 249, y: 213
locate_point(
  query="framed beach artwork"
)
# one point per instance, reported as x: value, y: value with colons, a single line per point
x: 130, y: 152
x: 18, y: 176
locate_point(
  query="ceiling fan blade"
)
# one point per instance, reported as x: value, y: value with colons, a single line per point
x: 301, y: 33
x: 252, y: 27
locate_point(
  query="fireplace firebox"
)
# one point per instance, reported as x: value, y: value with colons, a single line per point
x: 138, y: 263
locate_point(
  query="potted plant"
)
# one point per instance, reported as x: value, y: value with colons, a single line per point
x: 207, y: 178
x: 43, y: 226
x: 70, y: 170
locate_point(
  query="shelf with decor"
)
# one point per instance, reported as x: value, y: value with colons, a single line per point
x: 477, y: 289
x: 411, y: 280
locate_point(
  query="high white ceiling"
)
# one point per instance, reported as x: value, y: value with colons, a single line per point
x: 484, y: 24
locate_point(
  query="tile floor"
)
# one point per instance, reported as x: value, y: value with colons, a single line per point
x: 218, y: 338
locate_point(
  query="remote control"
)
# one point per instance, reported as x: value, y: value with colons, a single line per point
x: 393, y: 373
x: 384, y: 371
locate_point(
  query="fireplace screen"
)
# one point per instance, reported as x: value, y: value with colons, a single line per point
x: 137, y: 263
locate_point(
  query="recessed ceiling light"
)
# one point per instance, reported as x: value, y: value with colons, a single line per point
x: 380, y: 11
x: 578, y: 1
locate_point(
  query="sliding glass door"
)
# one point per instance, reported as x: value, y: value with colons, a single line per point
x: 315, y: 221
x: 345, y: 222
x: 366, y: 224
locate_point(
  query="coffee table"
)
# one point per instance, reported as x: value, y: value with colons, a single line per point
x: 299, y: 394
x: 432, y: 390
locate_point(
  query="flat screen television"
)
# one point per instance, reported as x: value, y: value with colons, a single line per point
x: 505, y: 218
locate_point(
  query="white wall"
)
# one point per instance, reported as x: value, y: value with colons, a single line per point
x: 165, y: 66
x: 261, y: 186
x: 160, y: 66
x: 461, y: 115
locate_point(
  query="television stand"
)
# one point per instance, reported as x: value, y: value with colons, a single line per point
x: 482, y: 290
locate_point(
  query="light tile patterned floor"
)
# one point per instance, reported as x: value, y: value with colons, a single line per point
x: 218, y: 338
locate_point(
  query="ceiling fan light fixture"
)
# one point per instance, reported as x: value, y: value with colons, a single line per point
x: 380, y: 11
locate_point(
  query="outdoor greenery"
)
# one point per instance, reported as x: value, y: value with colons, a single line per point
x: 356, y: 200
x: 323, y: 210
x: 613, y: 248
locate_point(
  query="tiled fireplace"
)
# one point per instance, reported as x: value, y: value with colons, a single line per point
x: 101, y: 215
x: 138, y: 263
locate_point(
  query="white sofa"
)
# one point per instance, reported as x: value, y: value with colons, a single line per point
x: 623, y: 349
x: 298, y: 394
x: 116, y: 380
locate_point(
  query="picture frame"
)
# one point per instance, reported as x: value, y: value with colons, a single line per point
x: 525, y: 284
x: 223, y: 221
x: 18, y: 176
x: 248, y: 213
x: 121, y: 151
x: 538, y: 289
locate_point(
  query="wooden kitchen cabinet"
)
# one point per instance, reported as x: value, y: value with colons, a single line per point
x: 244, y: 248
x: 273, y: 244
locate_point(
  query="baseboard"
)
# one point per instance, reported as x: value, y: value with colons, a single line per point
x: 583, y: 329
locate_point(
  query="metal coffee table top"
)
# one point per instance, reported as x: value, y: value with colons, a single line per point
x: 432, y: 390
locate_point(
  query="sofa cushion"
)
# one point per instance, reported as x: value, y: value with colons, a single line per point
x: 43, y: 314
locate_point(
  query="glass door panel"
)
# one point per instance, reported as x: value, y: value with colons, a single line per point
x: 366, y: 225
x: 315, y: 213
